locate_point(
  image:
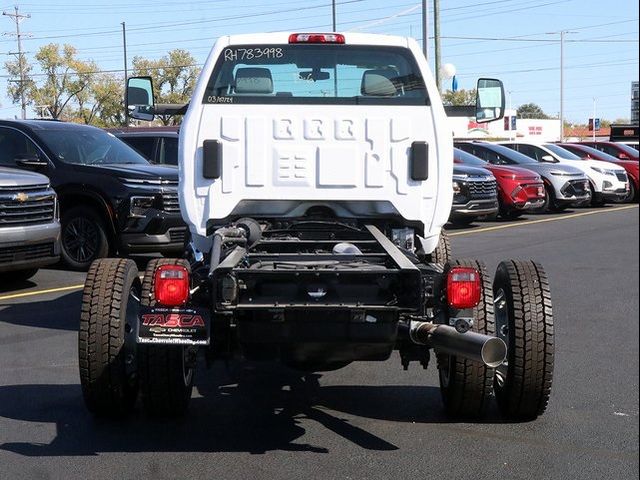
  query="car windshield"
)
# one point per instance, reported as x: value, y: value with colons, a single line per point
x: 316, y: 74
x: 632, y: 152
x: 89, y: 146
x: 468, y: 159
x: 561, y: 152
x: 511, y: 156
x: 587, y: 152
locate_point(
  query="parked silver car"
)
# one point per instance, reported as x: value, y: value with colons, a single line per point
x: 565, y: 185
x: 29, y: 224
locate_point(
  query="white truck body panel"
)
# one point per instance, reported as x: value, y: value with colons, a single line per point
x: 280, y: 159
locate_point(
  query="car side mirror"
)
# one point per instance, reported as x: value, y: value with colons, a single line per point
x: 31, y: 162
x: 548, y: 159
x: 139, y: 98
x: 489, y: 100
x: 623, y: 156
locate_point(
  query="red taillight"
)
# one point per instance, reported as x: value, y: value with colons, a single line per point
x: 316, y: 38
x: 171, y: 285
x: 464, y: 287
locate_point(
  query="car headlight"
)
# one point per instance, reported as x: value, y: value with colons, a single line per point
x: 139, y: 205
x: 604, y: 171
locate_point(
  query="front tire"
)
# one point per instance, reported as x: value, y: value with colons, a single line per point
x: 83, y: 239
x: 442, y: 253
x: 106, y: 349
x: 166, y: 371
x: 466, y: 385
x: 524, y: 320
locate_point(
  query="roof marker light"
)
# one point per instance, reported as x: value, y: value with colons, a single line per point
x: 316, y: 38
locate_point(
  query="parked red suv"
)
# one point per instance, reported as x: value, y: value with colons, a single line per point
x: 619, y: 150
x: 631, y: 166
x: 518, y: 189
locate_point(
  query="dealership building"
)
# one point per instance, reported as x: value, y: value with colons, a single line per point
x: 634, y: 102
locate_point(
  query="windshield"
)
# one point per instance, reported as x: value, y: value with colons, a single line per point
x: 632, y: 152
x: 316, y: 74
x: 468, y: 159
x: 587, y: 152
x: 561, y: 152
x: 508, y: 156
x: 89, y: 146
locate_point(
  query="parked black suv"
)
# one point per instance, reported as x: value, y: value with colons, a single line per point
x: 156, y: 144
x: 475, y: 194
x: 111, y: 198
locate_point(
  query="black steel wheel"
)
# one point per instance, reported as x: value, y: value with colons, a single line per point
x: 465, y: 385
x: 106, y: 343
x: 83, y: 239
x: 166, y: 371
x: 524, y: 320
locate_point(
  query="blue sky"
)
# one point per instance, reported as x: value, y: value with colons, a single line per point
x: 510, y: 39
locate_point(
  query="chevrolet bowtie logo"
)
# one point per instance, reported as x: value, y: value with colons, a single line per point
x: 21, y: 197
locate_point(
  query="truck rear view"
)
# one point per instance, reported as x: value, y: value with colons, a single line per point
x: 315, y: 177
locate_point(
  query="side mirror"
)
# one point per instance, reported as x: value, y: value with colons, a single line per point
x: 139, y: 98
x: 31, y: 162
x: 489, y: 100
x: 548, y: 159
x: 623, y: 156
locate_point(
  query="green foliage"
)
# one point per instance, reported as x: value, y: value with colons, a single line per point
x: 459, y: 97
x: 531, y: 110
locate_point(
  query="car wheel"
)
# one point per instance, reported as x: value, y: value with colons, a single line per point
x: 524, y: 320
x: 106, y: 343
x: 442, y: 253
x: 463, y: 221
x: 596, y: 200
x: 84, y: 238
x: 466, y: 385
x: 631, y: 196
x: 166, y: 371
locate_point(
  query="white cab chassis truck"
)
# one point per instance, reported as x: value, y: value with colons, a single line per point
x: 315, y: 177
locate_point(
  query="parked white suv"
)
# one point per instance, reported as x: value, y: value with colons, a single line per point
x: 608, y: 181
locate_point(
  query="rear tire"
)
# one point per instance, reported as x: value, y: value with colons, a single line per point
x: 466, y: 385
x: 166, y: 371
x: 442, y: 253
x: 524, y: 320
x: 106, y: 350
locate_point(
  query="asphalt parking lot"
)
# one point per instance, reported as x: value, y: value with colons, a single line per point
x: 368, y: 420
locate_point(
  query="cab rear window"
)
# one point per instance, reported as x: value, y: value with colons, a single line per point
x: 316, y: 74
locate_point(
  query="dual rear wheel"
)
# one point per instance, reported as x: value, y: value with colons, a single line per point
x: 517, y: 309
x: 113, y: 368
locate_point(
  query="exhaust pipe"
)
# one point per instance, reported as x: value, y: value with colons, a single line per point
x: 485, y: 349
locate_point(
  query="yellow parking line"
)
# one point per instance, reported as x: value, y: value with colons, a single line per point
x: 41, y: 292
x: 542, y: 220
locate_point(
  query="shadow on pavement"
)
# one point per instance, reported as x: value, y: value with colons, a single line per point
x: 62, y: 313
x: 252, y: 409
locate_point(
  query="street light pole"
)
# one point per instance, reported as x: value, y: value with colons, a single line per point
x: 562, y: 85
x: 436, y: 39
x: 509, y: 92
x: 333, y: 14
x: 425, y: 29
x: 593, y: 122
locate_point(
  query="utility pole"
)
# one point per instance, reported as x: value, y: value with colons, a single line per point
x: 425, y: 29
x: 593, y: 122
x: 436, y: 38
x: 125, y: 120
x: 562, y: 85
x: 18, y: 17
x: 333, y: 14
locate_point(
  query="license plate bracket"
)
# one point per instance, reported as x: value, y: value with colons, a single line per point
x: 173, y: 326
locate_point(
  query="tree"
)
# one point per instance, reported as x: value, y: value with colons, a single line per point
x: 531, y: 110
x: 174, y: 78
x: 65, y: 77
x: 459, y: 97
